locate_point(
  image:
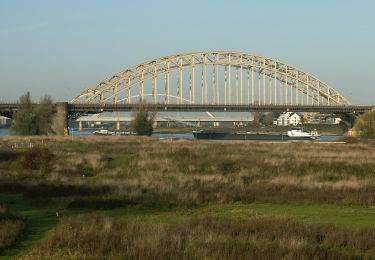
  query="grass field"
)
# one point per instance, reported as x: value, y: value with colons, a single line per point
x: 146, y: 198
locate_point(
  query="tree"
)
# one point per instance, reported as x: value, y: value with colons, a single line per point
x: 269, y: 117
x: 365, y: 125
x: 143, y: 120
x: 45, y: 113
x: 257, y: 118
x: 262, y: 118
x: 31, y: 119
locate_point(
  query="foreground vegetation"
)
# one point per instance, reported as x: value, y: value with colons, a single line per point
x: 92, y: 236
x: 149, y: 198
x: 365, y: 125
x: 11, y: 226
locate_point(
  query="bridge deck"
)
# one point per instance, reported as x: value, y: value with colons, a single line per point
x: 97, y: 108
x: 219, y: 108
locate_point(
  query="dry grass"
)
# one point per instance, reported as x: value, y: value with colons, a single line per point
x: 95, y: 173
x: 11, y: 227
x: 97, y: 237
x: 149, y: 170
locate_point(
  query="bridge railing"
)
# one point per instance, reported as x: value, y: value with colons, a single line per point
x: 97, y: 108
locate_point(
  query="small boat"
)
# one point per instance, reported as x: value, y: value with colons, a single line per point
x: 103, y: 132
x: 125, y: 133
x: 297, y: 133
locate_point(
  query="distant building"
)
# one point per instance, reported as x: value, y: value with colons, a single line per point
x: 312, y: 118
x: 4, y: 121
x: 167, y: 119
x: 289, y: 118
x: 332, y: 120
x: 320, y: 118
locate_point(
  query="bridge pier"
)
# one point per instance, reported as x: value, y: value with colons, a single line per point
x: 60, y: 119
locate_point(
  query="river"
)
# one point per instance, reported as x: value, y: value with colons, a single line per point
x: 324, y: 138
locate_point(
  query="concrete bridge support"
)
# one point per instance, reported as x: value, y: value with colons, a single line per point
x: 60, y: 119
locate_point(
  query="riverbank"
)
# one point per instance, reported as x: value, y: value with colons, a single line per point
x: 170, y: 190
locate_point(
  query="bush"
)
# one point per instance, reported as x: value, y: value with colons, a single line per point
x: 143, y: 120
x: 365, y: 125
x: 37, y: 158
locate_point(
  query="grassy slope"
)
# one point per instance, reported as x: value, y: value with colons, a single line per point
x: 38, y: 221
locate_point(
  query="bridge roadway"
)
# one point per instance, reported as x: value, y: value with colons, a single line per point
x: 94, y: 108
x: 8, y: 109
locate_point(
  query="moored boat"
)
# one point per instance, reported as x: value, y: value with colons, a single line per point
x: 103, y: 132
x: 107, y: 132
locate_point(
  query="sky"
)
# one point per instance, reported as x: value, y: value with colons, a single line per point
x: 60, y: 48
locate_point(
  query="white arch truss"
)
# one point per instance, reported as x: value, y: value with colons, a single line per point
x: 230, y: 78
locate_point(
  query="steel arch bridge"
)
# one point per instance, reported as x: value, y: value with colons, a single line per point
x: 213, y: 78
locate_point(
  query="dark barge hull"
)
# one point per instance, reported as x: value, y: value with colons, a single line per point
x: 245, y: 136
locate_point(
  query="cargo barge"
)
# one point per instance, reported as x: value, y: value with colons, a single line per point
x: 294, y: 134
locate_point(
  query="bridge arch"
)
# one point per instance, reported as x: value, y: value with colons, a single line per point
x: 229, y: 78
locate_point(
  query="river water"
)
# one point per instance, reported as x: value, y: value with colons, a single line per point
x: 324, y: 138
x: 5, y: 132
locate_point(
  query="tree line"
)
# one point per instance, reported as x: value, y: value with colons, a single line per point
x: 31, y: 119
x: 38, y: 120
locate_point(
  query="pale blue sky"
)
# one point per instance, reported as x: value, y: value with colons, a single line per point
x: 62, y: 47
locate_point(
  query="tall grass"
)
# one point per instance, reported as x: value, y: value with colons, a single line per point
x: 97, y: 237
x: 11, y: 227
